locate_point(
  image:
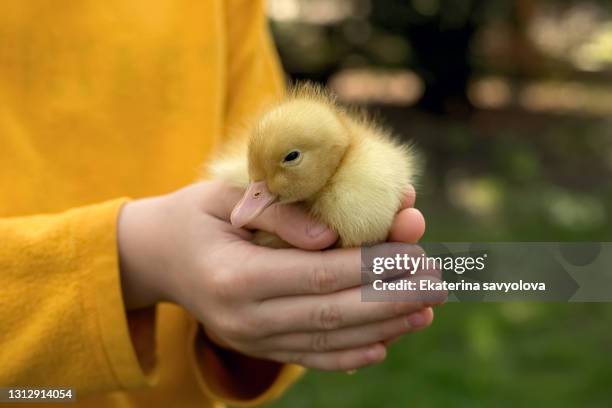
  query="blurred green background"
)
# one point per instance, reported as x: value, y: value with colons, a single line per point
x: 510, y: 102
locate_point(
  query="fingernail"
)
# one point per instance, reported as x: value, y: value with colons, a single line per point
x: 375, y: 353
x: 314, y: 229
x: 416, y: 320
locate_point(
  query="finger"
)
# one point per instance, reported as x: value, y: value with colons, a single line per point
x: 294, y: 225
x: 285, y: 272
x: 334, y: 311
x: 291, y: 223
x: 409, y: 198
x: 344, y: 360
x: 408, y: 226
x: 426, y: 316
x: 350, y: 337
x: 222, y: 199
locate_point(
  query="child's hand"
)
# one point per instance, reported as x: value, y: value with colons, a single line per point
x: 287, y: 305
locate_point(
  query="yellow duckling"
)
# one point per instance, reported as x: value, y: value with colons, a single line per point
x: 345, y: 169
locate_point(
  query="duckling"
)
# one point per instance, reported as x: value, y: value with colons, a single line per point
x: 345, y: 169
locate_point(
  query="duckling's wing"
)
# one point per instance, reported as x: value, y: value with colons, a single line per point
x: 361, y: 201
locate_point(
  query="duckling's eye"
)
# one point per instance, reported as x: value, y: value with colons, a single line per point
x: 291, y: 156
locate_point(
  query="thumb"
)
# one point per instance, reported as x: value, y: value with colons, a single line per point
x: 293, y: 224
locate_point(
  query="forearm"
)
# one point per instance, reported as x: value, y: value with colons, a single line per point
x: 140, y: 241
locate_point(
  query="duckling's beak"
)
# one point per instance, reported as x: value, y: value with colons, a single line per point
x: 256, y: 198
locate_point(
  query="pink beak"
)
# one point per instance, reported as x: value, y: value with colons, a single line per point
x: 256, y: 198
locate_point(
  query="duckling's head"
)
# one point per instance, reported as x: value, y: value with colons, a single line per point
x: 293, y: 152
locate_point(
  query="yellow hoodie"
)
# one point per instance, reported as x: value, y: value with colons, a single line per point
x: 102, y: 100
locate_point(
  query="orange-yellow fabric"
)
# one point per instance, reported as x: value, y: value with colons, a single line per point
x: 102, y: 100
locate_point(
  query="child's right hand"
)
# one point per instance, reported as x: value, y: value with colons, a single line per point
x: 287, y: 305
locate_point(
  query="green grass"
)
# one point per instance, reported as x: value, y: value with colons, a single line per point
x: 515, y: 354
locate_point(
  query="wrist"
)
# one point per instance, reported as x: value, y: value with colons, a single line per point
x: 141, y: 261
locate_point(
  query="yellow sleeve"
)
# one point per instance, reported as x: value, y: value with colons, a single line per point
x: 238, y: 380
x: 253, y: 79
x: 61, y: 310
